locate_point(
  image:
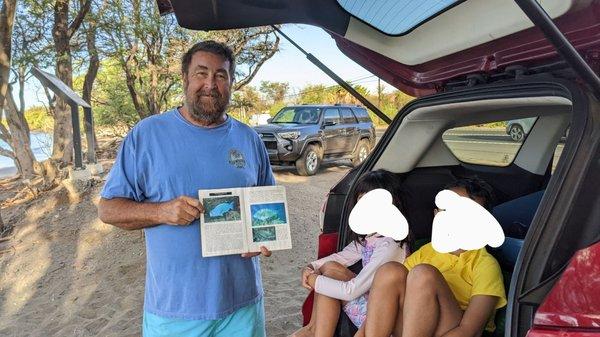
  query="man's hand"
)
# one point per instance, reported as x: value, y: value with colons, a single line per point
x: 180, y: 211
x: 263, y: 250
x: 306, y: 272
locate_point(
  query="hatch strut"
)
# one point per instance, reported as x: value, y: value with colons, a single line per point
x: 540, y: 18
x: 337, y: 79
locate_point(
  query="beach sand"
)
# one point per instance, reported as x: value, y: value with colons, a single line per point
x: 65, y: 273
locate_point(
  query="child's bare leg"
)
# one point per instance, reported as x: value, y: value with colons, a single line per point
x: 430, y: 308
x: 327, y: 307
x: 309, y: 329
x: 327, y: 313
x: 385, y: 301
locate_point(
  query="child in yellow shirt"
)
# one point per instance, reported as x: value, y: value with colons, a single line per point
x: 438, y: 294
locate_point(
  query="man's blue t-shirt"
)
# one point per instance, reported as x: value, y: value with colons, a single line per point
x: 164, y: 157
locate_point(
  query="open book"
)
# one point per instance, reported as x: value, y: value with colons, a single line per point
x: 240, y: 220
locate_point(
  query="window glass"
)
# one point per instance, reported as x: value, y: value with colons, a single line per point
x: 298, y: 115
x: 494, y: 144
x: 362, y: 115
x: 348, y: 116
x: 332, y: 115
x: 395, y: 16
x: 284, y: 116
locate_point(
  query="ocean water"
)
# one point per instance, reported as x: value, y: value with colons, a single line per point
x: 41, y: 145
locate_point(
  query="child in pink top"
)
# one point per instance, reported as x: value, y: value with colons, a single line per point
x: 335, y: 286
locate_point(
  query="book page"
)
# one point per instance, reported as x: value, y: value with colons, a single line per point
x: 267, y: 218
x: 222, y: 229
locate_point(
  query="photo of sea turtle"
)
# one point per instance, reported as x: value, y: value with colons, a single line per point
x: 221, y: 209
x: 262, y: 234
x: 268, y: 214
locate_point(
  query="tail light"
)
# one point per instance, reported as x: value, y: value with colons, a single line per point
x: 572, y: 306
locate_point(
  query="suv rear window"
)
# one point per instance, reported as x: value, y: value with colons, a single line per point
x: 332, y: 114
x: 348, y: 116
x: 362, y: 115
x: 493, y: 144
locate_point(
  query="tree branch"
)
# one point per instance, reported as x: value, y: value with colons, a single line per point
x: 7, y: 153
x: 247, y: 79
x: 79, y: 18
x: 4, y: 134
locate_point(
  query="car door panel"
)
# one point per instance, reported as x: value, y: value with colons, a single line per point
x: 333, y: 133
x: 351, y: 130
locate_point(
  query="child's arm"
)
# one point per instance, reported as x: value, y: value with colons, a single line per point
x: 487, y: 295
x: 347, y: 257
x: 385, y: 251
x: 473, y: 322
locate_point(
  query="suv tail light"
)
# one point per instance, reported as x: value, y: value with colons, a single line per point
x: 572, y: 306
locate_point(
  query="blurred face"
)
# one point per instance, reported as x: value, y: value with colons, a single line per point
x: 207, y: 86
x: 463, y: 193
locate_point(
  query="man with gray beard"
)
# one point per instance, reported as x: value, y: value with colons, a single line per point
x: 153, y: 186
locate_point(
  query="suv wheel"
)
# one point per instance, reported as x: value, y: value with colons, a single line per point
x: 361, y: 153
x: 516, y: 132
x: 309, y: 162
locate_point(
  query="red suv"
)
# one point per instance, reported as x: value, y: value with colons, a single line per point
x: 475, y: 65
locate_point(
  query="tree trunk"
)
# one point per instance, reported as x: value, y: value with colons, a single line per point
x: 20, y: 140
x: 130, y: 81
x: 7, y: 18
x: 92, y: 71
x: 153, y: 103
x: 63, y: 131
x: 62, y: 32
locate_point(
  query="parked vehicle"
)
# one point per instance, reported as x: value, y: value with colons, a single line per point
x: 305, y: 135
x: 518, y: 129
x: 473, y: 62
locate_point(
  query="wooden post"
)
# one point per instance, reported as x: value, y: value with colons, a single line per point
x: 89, y: 134
x: 76, y: 137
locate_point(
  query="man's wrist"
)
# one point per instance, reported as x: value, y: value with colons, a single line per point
x: 157, y: 213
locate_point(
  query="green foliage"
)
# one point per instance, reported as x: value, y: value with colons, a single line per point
x: 273, y: 109
x: 38, y: 119
x: 314, y: 94
x: 496, y: 125
x: 111, y: 103
x: 246, y: 102
x: 274, y: 92
x: 388, y: 103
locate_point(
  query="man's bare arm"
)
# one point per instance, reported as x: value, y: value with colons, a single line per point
x: 128, y: 214
x: 475, y: 318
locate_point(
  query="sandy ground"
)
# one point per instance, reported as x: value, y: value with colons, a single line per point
x: 65, y: 273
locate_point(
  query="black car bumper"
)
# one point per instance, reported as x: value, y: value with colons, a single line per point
x: 281, y: 150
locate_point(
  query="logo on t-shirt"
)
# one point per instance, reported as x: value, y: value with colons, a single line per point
x: 236, y: 158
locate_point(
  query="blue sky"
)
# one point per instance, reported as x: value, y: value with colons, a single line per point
x: 292, y: 66
x: 288, y: 65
